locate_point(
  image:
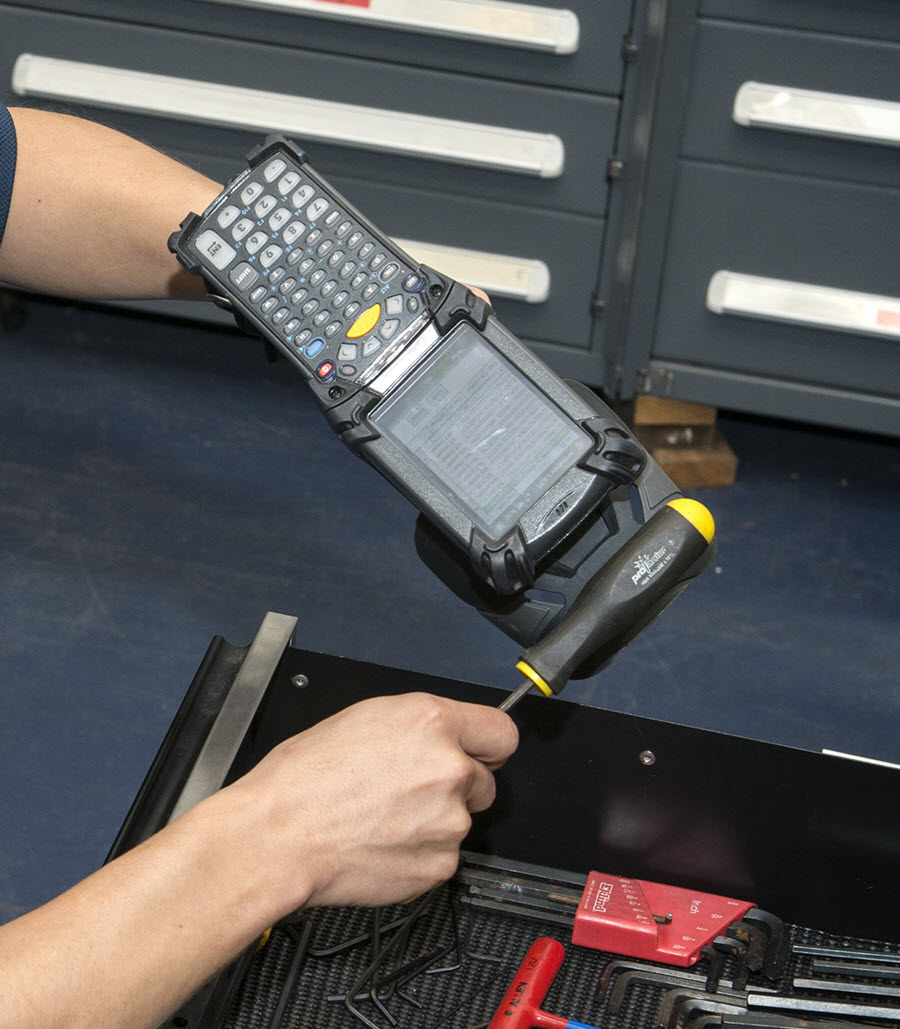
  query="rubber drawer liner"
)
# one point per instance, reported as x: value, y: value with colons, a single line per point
x: 457, y: 961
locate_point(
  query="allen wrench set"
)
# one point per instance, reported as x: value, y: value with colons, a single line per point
x: 375, y: 968
x: 719, y: 996
x: 449, y: 958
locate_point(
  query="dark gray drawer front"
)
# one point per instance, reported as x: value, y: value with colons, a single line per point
x: 728, y: 55
x: 872, y: 19
x: 775, y: 226
x: 585, y: 124
x: 595, y: 66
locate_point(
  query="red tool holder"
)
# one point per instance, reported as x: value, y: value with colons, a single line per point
x: 649, y: 920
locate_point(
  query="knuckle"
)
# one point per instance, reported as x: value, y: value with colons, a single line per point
x: 457, y: 772
x: 485, y: 796
x: 463, y: 825
x: 426, y: 711
x: 444, y: 866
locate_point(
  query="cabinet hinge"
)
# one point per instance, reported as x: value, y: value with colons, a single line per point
x: 629, y: 49
x: 614, y: 169
x: 598, y: 306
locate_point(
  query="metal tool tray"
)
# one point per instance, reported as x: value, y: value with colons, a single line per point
x: 812, y: 838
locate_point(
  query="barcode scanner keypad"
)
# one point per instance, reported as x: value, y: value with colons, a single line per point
x: 335, y: 296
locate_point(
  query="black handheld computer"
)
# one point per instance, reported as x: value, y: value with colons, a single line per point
x: 526, y: 483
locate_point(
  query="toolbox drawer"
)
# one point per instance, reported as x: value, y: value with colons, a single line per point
x: 873, y: 19
x: 793, y: 230
x: 574, y: 44
x: 671, y: 821
x: 552, y: 236
x: 666, y: 819
x: 541, y: 147
x: 730, y: 59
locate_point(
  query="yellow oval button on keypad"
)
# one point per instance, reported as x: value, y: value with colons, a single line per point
x: 365, y: 322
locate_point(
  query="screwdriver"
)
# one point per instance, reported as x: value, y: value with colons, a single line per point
x: 625, y: 595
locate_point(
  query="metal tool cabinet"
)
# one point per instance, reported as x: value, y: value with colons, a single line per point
x: 692, y: 198
x: 767, y: 269
x: 483, y: 129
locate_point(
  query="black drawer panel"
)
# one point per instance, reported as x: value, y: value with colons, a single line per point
x: 777, y: 226
x: 728, y: 55
x: 596, y: 65
x: 585, y: 124
x: 875, y: 19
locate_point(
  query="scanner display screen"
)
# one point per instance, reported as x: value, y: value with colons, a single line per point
x: 481, y: 431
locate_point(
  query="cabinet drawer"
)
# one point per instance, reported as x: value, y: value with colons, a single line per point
x: 792, y: 231
x: 867, y: 19
x: 574, y: 44
x: 824, y: 105
x: 523, y: 144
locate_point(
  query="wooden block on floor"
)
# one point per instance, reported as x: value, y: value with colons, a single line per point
x: 692, y: 456
x: 663, y: 411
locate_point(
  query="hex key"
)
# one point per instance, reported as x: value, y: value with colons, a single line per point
x: 738, y: 951
x: 755, y: 940
x: 707, y: 1022
x: 849, y: 955
x: 683, y: 1013
x: 615, y: 967
x: 647, y: 977
x: 812, y: 1005
x: 290, y: 980
x: 676, y: 997
x: 774, y: 1020
x: 716, y: 959
x: 652, y: 976
x: 851, y: 969
x: 836, y: 986
x: 778, y: 948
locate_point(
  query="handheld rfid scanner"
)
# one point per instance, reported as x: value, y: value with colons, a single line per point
x: 527, y: 485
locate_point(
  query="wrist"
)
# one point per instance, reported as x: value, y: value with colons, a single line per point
x: 253, y: 855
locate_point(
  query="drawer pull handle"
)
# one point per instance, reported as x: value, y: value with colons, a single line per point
x: 801, y: 303
x: 497, y: 22
x: 805, y: 111
x: 411, y: 135
x: 514, y: 278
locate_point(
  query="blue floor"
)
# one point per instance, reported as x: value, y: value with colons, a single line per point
x: 161, y: 483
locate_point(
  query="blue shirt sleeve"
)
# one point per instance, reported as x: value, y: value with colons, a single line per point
x: 8, y: 150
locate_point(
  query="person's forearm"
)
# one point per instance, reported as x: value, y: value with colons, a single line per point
x: 130, y: 943
x: 367, y: 807
x: 92, y: 210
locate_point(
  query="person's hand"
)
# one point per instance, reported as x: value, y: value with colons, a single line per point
x: 370, y: 806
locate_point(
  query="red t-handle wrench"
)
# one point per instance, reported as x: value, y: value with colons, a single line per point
x: 520, y: 1007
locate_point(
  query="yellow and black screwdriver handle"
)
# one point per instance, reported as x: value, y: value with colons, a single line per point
x: 623, y: 597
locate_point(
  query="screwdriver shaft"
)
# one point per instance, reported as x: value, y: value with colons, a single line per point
x: 513, y: 698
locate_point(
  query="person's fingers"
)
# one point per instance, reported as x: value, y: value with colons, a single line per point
x: 485, y: 733
x: 482, y: 788
x: 479, y: 293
